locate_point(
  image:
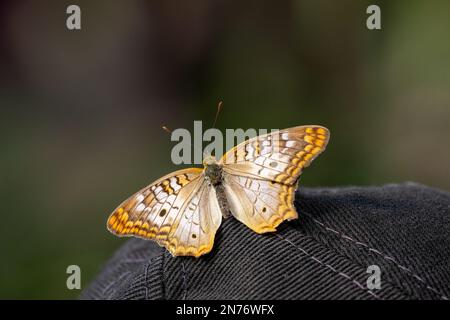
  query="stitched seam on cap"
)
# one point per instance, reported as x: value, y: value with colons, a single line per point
x: 163, y: 284
x: 357, y: 263
x: 184, y: 280
x: 328, y: 266
x: 358, y: 244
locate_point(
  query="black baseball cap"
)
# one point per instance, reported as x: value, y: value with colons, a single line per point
x: 389, y: 242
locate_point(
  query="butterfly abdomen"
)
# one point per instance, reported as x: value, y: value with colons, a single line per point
x: 213, y: 173
x: 222, y: 199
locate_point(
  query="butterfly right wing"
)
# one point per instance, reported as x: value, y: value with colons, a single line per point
x: 179, y: 211
x: 260, y: 175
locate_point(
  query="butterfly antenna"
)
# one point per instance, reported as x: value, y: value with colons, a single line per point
x: 219, y: 108
x: 170, y: 132
x: 167, y: 129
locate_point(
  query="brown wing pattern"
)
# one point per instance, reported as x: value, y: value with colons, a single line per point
x: 279, y: 156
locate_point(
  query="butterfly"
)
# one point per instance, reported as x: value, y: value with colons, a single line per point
x: 255, y: 182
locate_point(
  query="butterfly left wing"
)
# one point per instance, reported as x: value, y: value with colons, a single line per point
x: 180, y: 211
x: 261, y: 174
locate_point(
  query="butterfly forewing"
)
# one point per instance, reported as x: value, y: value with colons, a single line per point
x: 279, y: 156
x: 171, y: 211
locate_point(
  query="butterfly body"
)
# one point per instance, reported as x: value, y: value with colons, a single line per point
x: 255, y: 182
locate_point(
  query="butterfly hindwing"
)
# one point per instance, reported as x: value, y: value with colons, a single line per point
x: 179, y: 211
x: 260, y: 204
x: 197, y: 225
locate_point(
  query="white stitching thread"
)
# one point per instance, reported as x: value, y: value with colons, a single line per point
x: 184, y: 283
x: 145, y: 281
x: 386, y: 257
x: 328, y: 266
x: 113, y: 283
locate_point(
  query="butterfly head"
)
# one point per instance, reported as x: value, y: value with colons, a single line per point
x: 209, y: 160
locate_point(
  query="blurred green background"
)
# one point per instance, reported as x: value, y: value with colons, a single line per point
x: 81, y: 111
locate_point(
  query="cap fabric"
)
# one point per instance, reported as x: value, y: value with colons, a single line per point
x: 325, y: 254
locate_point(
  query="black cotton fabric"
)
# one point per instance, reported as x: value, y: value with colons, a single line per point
x: 404, y: 229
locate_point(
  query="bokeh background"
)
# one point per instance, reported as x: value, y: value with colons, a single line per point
x: 81, y: 111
